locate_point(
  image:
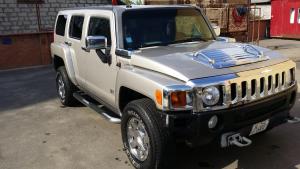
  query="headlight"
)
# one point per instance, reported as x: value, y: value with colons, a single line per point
x: 210, y: 95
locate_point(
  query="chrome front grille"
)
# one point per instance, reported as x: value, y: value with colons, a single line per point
x: 247, y: 86
x: 258, y: 87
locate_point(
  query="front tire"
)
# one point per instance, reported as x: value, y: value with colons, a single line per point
x: 65, y: 88
x: 146, y: 141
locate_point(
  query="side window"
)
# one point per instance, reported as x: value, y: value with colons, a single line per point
x: 100, y: 27
x: 61, y: 25
x: 76, y: 24
x: 292, y: 15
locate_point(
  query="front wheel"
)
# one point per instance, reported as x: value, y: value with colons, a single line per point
x: 145, y: 140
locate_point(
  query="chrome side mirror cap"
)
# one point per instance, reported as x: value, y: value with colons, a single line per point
x: 217, y: 29
x: 95, y: 42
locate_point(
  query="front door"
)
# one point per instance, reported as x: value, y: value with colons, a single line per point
x: 101, y: 76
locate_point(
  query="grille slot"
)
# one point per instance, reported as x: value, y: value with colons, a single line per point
x: 244, y: 89
x: 270, y: 83
x: 233, y: 91
x: 253, y: 87
x: 282, y: 78
x: 262, y: 85
x: 276, y: 81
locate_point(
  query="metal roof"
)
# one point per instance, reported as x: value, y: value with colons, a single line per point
x: 124, y: 7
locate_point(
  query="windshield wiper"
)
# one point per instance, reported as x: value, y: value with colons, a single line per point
x: 193, y: 39
x: 154, y: 44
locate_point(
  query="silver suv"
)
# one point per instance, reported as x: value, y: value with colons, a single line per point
x: 166, y: 76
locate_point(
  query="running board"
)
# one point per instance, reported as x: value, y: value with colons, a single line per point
x: 293, y: 120
x: 89, y: 102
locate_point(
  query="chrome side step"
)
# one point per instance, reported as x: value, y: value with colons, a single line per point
x: 234, y: 139
x: 89, y: 102
x: 293, y: 120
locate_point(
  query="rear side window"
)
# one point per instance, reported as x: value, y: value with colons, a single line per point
x: 76, y: 24
x: 100, y: 27
x: 61, y: 25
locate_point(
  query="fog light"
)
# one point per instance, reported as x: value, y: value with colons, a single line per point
x: 213, y: 121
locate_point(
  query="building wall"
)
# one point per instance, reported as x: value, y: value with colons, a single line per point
x: 18, y: 18
x: 21, y: 42
x: 285, y: 21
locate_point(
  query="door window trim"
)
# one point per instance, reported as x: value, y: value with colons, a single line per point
x: 99, y: 17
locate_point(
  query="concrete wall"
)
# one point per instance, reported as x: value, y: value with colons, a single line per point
x: 18, y: 18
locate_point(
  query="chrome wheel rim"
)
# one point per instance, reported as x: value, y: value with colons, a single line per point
x: 138, y: 139
x: 61, y: 87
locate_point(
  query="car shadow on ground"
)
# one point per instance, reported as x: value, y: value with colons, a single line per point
x: 23, y: 87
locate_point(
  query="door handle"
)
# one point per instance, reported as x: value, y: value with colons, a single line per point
x: 85, y: 49
x: 68, y: 43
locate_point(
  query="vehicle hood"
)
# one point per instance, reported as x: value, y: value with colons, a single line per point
x: 192, y: 60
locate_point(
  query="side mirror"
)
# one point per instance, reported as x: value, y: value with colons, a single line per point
x: 96, y: 42
x: 217, y: 29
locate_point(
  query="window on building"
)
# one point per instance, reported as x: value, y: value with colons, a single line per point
x: 100, y: 27
x: 298, y: 19
x: 61, y: 25
x: 292, y: 15
x: 76, y: 24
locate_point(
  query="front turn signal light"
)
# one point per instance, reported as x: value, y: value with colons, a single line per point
x: 158, y: 97
x: 178, y: 99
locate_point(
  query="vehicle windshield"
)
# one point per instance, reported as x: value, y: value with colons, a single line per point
x: 158, y: 27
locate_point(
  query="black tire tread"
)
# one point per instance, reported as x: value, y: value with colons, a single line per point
x: 70, y: 88
x: 160, y: 133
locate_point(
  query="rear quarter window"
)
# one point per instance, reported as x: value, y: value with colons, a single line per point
x: 76, y: 24
x: 61, y: 25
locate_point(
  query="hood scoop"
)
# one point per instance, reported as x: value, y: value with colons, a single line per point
x: 229, y: 57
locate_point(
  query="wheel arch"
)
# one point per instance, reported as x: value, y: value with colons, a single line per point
x: 62, y: 57
x: 126, y: 95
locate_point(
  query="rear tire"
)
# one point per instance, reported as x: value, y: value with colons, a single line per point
x: 148, y: 129
x: 65, y: 88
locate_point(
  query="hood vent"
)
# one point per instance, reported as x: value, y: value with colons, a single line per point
x: 228, y: 57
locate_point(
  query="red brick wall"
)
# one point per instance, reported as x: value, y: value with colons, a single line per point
x: 25, y: 50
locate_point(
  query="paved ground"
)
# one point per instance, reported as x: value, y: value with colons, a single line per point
x: 289, y: 48
x: 36, y: 132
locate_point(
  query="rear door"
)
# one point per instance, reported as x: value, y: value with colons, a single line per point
x: 75, y: 41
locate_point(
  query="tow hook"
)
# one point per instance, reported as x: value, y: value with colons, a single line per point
x: 234, y: 139
x: 293, y: 120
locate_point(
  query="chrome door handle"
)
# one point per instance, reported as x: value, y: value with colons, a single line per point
x: 68, y: 43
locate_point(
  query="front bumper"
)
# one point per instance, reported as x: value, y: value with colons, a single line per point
x: 193, y: 127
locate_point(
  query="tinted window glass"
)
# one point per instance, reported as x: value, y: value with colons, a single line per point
x: 76, y: 27
x: 61, y: 25
x: 152, y: 27
x: 100, y: 27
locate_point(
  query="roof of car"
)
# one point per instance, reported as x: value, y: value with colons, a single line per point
x: 124, y: 7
